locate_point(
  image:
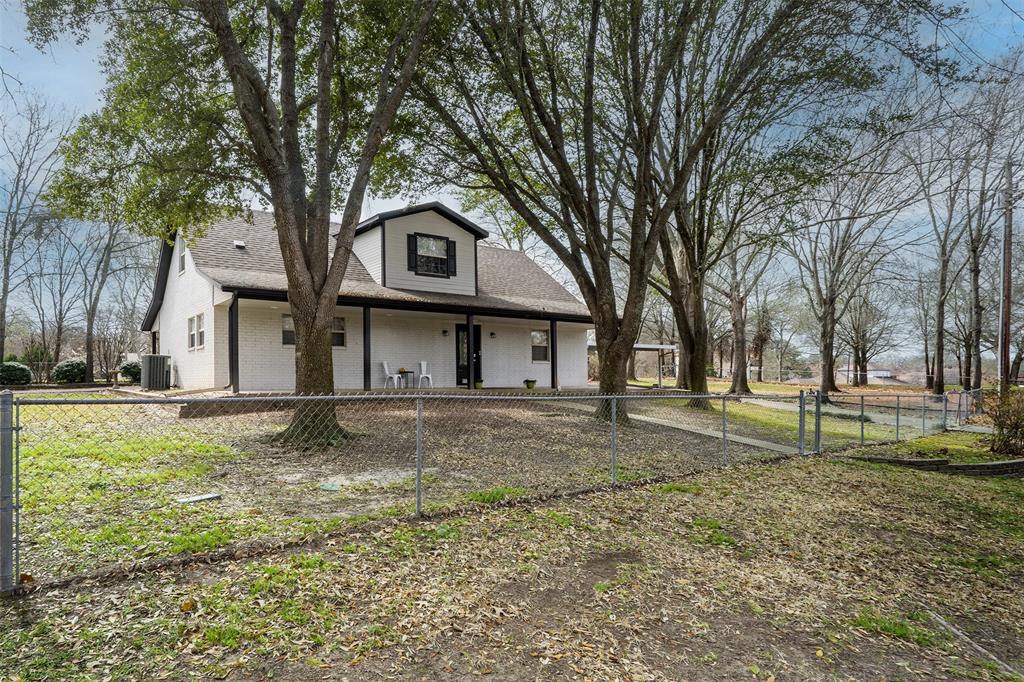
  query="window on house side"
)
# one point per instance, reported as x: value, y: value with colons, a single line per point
x: 200, y: 332
x: 181, y: 256
x: 287, y: 330
x: 539, y: 341
x: 196, y: 334
x: 338, y: 332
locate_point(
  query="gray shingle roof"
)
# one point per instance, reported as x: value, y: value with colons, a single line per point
x: 507, y: 280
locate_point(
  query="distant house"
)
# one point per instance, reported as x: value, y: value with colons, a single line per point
x: 878, y: 374
x: 417, y: 282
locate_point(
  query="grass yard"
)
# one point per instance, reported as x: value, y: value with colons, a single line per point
x: 100, y: 484
x: 775, y: 388
x: 777, y: 421
x: 809, y: 570
x: 956, y: 446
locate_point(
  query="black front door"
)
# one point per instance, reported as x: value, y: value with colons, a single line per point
x: 462, y: 354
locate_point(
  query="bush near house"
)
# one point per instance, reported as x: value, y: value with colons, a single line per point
x: 69, y: 371
x: 132, y: 371
x: 14, y: 374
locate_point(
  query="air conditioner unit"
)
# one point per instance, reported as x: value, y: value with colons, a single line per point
x: 156, y: 372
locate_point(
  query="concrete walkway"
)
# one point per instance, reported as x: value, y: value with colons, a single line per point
x: 700, y: 431
x: 910, y: 417
x: 972, y: 428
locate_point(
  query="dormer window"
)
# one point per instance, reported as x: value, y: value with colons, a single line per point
x: 431, y: 255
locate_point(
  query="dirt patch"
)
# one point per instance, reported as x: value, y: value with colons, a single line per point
x: 614, y: 585
x: 120, y: 468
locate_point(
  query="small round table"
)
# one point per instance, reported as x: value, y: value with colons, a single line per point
x: 406, y: 376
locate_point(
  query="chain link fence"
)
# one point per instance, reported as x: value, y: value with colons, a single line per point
x: 95, y: 480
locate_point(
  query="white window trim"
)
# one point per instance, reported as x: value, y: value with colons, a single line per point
x: 193, y: 329
x: 343, y: 332
x: 547, y: 335
x: 285, y: 344
x: 182, y: 263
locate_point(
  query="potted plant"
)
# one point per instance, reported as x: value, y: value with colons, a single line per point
x: 478, y: 384
x: 530, y: 384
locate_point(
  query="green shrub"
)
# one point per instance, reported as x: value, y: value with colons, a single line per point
x: 69, y: 371
x: 14, y: 374
x: 1008, y: 424
x: 132, y: 371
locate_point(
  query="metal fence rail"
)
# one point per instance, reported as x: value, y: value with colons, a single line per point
x: 97, y: 480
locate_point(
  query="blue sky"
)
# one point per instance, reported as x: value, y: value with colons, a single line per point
x: 70, y: 75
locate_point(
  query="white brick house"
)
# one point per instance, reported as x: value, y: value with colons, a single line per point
x: 417, y: 282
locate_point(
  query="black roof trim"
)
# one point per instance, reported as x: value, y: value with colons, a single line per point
x: 435, y: 206
x: 166, y: 251
x: 421, y: 306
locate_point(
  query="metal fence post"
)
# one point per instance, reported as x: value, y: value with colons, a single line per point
x: 7, y: 539
x: 803, y: 422
x: 959, y: 399
x: 924, y: 421
x: 725, y: 431
x: 862, y: 420
x: 817, y: 422
x: 897, y: 418
x: 945, y: 400
x: 615, y: 441
x: 419, y: 456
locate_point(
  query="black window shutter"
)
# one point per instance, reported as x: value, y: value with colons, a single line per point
x: 410, y: 241
x: 451, y: 258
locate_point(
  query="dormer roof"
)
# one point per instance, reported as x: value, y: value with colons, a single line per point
x: 435, y: 206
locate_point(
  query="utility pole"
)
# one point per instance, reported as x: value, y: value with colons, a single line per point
x: 1007, y: 285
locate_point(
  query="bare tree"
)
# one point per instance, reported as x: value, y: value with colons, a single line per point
x: 30, y: 134
x: 869, y: 329
x: 786, y: 324
x: 99, y: 255
x: 854, y: 227
x: 594, y: 125
x: 745, y: 266
x: 922, y: 302
x: 940, y: 160
x: 993, y: 117
x: 54, y: 284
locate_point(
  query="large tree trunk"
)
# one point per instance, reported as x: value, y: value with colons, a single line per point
x: 738, y: 314
x: 862, y: 363
x: 968, y: 365
x: 826, y: 349
x: 90, y: 352
x: 938, y: 386
x: 4, y: 296
x: 760, y: 365
x: 631, y: 367
x: 927, y: 364
x: 1015, y: 364
x: 976, y: 310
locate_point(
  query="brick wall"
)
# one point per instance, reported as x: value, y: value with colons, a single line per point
x: 1013, y: 467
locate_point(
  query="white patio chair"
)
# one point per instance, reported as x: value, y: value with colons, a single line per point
x: 393, y: 377
x: 424, y: 375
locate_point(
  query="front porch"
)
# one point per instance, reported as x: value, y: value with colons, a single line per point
x: 505, y: 350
